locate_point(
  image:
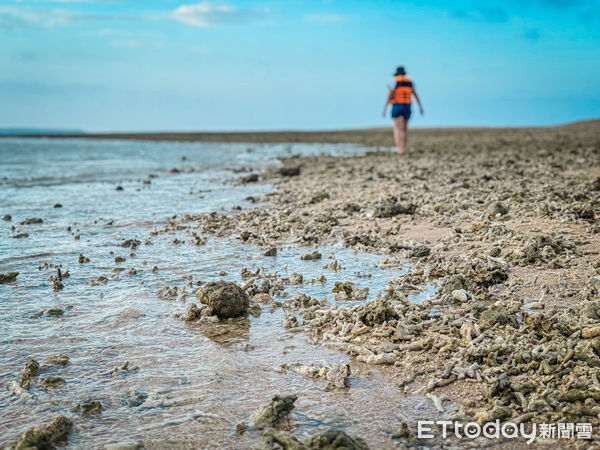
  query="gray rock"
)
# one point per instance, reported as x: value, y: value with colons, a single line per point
x: 338, y: 377
x: 89, y: 407
x: 226, y: 298
x: 420, y: 251
x: 193, y: 313
x: 136, y: 398
x: 290, y: 322
x: 594, y: 285
x: 456, y: 282
x: 391, y: 207
x: 31, y: 220
x: 492, y: 317
x: 312, y: 256
x: 167, y: 293
x: 52, y: 382
x: 252, y: 178
x: 278, y: 408
x: 45, y: 436
x: 290, y: 171
x: 271, y: 252
x: 32, y: 370
x: 8, y: 277
x: 58, y: 360
x: 130, y: 243
x: 497, y: 208
x: 333, y: 439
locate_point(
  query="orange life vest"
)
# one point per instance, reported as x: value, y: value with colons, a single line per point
x: 403, y: 90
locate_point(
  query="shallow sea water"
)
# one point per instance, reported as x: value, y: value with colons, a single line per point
x: 192, y: 385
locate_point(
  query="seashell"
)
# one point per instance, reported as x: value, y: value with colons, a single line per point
x: 460, y: 295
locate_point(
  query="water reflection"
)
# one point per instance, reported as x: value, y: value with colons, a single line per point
x: 225, y: 333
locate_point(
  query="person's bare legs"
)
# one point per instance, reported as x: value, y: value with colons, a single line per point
x: 405, y: 131
x: 396, y: 134
x: 400, y: 133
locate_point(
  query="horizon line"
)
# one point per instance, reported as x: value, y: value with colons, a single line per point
x: 41, y: 132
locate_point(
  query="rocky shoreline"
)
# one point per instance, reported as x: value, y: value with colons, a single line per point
x: 506, y: 223
x: 503, y: 221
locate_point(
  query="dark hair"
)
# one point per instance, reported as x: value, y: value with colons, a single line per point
x: 400, y: 70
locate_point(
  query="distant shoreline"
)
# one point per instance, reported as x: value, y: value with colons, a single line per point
x: 370, y: 137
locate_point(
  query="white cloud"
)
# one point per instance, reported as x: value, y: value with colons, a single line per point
x: 325, y: 18
x: 206, y: 14
x: 16, y: 17
x: 202, y: 14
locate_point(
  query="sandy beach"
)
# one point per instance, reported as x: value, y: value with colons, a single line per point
x: 369, y: 137
x: 463, y: 276
x: 505, y: 221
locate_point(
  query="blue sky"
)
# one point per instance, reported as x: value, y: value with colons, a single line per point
x: 290, y: 64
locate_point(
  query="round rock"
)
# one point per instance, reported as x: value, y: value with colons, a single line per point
x: 226, y: 298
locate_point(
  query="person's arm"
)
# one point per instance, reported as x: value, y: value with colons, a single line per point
x: 387, y: 102
x: 418, y: 101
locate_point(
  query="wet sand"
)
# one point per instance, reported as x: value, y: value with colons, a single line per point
x: 505, y: 221
x: 95, y: 288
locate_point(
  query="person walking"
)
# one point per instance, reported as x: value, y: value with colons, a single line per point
x: 400, y: 94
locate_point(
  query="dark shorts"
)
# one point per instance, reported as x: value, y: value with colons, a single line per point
x: 401, y: 109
